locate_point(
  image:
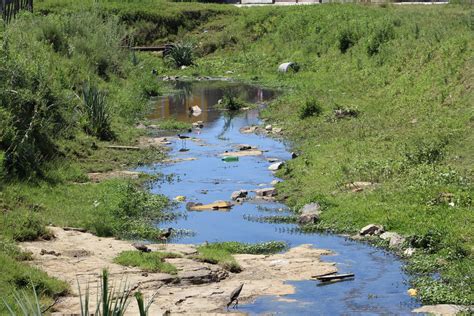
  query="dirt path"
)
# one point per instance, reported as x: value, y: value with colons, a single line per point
x: 199, y: 288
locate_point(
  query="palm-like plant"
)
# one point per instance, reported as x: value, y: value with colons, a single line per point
x: 28, y: 306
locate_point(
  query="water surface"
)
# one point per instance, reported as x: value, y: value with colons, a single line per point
x: 380, y: 286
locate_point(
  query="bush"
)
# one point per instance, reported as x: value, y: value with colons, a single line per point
x: 382, y: 34
x: 310, y: 108
x: 181, y: 54
x: 231, y: 102
x: 425, y: 151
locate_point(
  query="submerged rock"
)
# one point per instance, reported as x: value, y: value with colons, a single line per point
x: 443, y: 309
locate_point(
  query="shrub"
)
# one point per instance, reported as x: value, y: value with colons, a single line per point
x: 347, y: 38
x: 425, y: 151
x: 96, y: 111
x: 181, y: 54
x: 231, y: 102
x: 310, y: 108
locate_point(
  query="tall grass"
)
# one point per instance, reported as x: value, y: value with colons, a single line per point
x: 97, y: 112
x: 180, y: 54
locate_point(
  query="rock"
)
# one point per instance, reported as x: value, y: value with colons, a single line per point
x: 217, y: 205
x: 49, y: 252
x: 202, y: 276
x: 294, y: 155
x: 248, y: 129
x: 371, y: 229
x: 276, y: 166
x: 409, y: 252
x: 275, y: 182
x: 140, y: 126
x: 183, y: 67
x: 395, y: 240
x: 268, y: 128
x: 310, y: 213
x: 239, y: 194
x: 412, y: 292
x: 219, y: 101
x: 266, y: 192
x: 273, y: 160
x: 196, y: 110
x: 277, y: 130
x: 443, y: 309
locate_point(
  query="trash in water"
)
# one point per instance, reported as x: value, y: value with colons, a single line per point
x: 230, y: 158
x: 335, y: 277
x: 180, y: 198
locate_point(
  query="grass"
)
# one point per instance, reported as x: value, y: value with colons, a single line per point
x: 406, y: 71
x: 221, y: 252
x: 150, y: 261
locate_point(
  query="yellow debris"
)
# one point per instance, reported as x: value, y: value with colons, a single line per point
x: 180, y: 198
x: 412, y: 292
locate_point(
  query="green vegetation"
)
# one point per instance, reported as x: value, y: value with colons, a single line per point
x: 393, y: 86
x: 149, y: 261
x: 180, y: 54
x: 221, y: 252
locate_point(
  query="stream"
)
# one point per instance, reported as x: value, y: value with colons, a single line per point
x: 380, y: 285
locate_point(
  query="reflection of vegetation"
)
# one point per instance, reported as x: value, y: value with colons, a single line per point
x: 232, y: 101
x: 227, y: 124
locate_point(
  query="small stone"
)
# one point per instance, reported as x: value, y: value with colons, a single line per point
x: 275, y: 182
x: 268, y: 128
x: 371, y: 229
x: 395, y: 240
x: 276, y: 166
x: 277, y: 130
x: 294, y: 155
x: 412, y: 292
x: 442, y: 309
x: 409, y: 252
x: 241, y: 194
x: 266, y: 192
x: 183, y: 67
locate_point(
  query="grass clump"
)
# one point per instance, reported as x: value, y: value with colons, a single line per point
x: 96, y: 111
x: 221, y: 252
x: 172, y: 124
x: 180, y: 54
x: 310, y: 108
x: 149, y: 261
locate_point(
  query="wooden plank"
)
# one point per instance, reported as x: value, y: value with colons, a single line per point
x: 327, y: 278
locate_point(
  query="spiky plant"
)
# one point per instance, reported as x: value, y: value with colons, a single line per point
x: 28, y: 306
x: 180, y: 54
x: 96, y: 112
x: 142, y: 308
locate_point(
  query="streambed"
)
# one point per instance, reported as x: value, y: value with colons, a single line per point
x: 380, y: 285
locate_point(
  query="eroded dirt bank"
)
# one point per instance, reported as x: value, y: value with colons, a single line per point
x: 197, y: 288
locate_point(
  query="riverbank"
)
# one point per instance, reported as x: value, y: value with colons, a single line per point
x: 198, y: 287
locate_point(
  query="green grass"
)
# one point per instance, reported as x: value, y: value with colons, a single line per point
x: 150, y: 261
x: 221, y: 252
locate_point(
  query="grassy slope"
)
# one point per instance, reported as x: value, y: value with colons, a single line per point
x: 413, y: 134
x: 422, y: 72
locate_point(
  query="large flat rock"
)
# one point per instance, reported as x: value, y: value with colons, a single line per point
x: 198, y: 288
